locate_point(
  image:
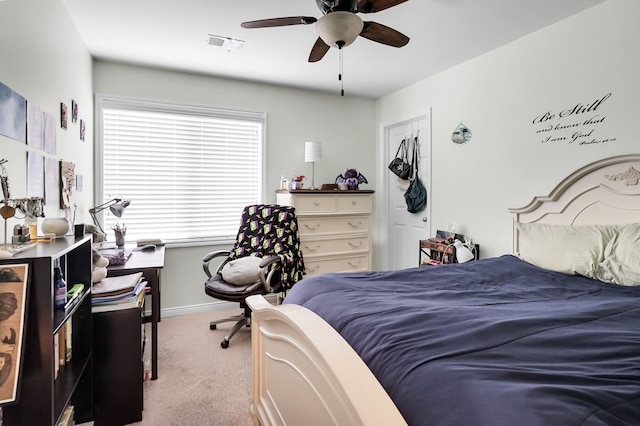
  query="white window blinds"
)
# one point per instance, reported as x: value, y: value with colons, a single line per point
x: 188, y: 171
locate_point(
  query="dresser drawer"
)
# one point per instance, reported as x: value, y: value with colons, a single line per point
x: 318, y: 266
x: 340, y: 245
x: 332, y: 225
x: 354, y: 203
x: 314, y: 204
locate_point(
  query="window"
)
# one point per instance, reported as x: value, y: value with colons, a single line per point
x: 188, y: 170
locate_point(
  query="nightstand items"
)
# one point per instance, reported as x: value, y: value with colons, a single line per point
x: 436, y: 251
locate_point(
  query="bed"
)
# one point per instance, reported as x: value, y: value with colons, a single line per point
x: 536, y: 338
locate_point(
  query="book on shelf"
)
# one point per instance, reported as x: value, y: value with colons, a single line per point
x: 68, y: 336
x: 114, y: 286
x: 127, y: 302
x: 66, y: 419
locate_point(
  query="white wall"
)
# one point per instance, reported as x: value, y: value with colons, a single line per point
x: 496, y: 95
x: 499, y: 94
x: 45, y: 60
x: 344, y: 126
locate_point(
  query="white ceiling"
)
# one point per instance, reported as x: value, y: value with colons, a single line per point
x: 174, y: 34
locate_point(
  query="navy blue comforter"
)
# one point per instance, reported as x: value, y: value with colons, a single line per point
x: 491, y: 342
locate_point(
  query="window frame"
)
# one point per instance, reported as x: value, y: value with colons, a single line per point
x: 103, y: 101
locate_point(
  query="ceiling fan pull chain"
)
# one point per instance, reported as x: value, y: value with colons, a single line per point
x: 340, y: 72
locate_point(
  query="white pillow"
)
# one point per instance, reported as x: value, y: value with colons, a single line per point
x: 621, y: 264
x: 568, y: 249
x: 242, y: 271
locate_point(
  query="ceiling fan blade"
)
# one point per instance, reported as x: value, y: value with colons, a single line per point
x: 383, y: 34
x: 318, y: 51
x: 372, y: 6
x: 279, y: 22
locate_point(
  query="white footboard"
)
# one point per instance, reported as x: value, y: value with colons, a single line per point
x: 304, y: 373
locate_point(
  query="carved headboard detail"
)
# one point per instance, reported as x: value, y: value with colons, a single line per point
x: 631, y: 176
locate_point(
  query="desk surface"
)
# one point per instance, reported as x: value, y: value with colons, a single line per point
x: 142, y: 259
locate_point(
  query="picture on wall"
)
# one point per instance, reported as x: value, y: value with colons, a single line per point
x: 50, y: 145
x: 63, y: 115
x: 35, y: 174
x: 13, y: 303
x: 82, y: 130
x: 13, y: 114
x: 35, y: 126
x: 51, y: 181
x: 67, y: 183
x: 74, y: 111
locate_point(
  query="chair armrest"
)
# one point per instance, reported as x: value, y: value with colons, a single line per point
x: 265, y: 279
x: 210, y: 256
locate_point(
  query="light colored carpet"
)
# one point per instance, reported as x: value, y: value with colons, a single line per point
x: 199, y: 383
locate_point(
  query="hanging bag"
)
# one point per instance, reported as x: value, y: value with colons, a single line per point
x: 400, y: 165
x: 416, y: 195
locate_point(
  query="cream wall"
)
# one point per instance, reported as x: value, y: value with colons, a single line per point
x: 345, y: 126
x: 499, y: 94
x: 45, y: 61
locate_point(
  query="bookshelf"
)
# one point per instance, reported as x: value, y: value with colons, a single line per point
x: 47, y: 386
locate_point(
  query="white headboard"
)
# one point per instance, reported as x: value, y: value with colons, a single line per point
x: 603, y: 192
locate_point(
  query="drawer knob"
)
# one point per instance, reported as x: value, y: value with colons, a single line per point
x: 313, y: 268
x: 312, y: 227
x: 316, y: 203
x: 355, y: 244
x: 314, y: 248
x: 355, y: 224
x: 354, y: 263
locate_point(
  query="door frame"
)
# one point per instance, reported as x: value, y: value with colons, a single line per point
x: 382, y: 208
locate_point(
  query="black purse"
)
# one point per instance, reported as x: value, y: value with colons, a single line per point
x: 416, y: 194
x: 400, y: 165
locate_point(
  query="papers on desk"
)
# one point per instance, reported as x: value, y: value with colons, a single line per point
x: 121, y: 292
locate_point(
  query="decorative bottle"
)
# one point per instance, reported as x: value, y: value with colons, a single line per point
x: 60, y: 287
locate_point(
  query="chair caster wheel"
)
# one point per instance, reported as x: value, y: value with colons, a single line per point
x: 212, y: 326
x: 224, y: 344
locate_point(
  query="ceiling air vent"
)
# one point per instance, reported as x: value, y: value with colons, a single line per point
x: 226, y: 43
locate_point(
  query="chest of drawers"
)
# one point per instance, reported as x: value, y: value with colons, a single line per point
x: 335, y: 228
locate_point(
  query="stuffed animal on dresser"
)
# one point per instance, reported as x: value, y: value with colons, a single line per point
x: 352, y: 178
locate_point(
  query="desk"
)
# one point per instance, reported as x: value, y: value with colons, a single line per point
x: 149, y: 263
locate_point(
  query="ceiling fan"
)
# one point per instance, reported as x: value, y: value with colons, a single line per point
x: 340, y: 26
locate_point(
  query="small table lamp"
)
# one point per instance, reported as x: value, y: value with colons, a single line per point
x: 313, y: 155
x: 115, y: 205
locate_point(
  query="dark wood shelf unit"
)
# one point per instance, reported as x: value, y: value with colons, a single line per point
x: 118, y: 379
x: 42, y: 397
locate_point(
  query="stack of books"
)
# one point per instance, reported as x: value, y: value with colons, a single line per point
x: 121, y: 292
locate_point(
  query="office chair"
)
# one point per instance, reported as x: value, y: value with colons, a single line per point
x: 265, y: 258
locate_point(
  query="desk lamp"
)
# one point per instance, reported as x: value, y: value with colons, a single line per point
x: 313, y: 155
x: 115, y: 205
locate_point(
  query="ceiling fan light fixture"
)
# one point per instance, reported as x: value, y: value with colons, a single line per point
x: 338, y: 27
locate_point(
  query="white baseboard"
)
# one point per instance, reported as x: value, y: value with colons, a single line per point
x: 205, y: 307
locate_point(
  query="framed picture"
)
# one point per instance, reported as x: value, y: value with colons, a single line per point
x: 82, y: 130
x: 63, y: 115
x: 74, y: 111
x: 13, y: 310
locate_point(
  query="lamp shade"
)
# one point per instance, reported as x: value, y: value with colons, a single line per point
x: 118, y: 208
x: 463, y: 254
x: 312, y: 152
x: 339, y: 26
